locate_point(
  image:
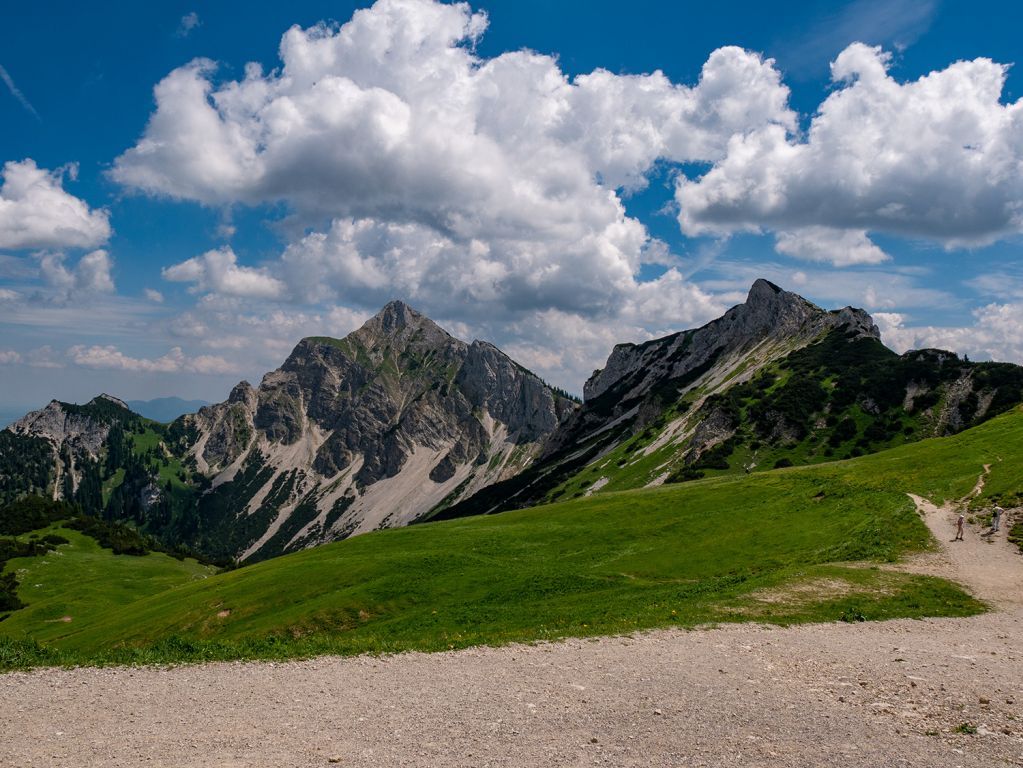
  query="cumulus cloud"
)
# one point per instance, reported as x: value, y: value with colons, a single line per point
x: 110, y: 357
x: 937, y: 158
x: 429, y: 172
x: 489, y: 192
x: 9, y: 356
x: 153, y: 295
x: 840, y: 247
x: 36, y: 212
x: 996, y: 334
x: 89, y: 277
x: 218, y: 271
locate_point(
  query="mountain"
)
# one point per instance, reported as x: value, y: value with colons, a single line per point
x: 399, y: 422
x: 775, y: 381
x: 165, y: 409
x: 395, y: 421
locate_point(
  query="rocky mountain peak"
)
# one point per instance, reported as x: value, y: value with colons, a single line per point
x: 104, y: 397
x: 243, y: 392
x: 858, y: 321
x: 60, y: 423
x: 763, y: 291
x: 372, y: 430
x: 400, y: 327
x: 770, y: 309
x: 770, y: 315
x: 396, y: 317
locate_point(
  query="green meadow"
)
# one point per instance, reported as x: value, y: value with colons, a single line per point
x: 791, y: 545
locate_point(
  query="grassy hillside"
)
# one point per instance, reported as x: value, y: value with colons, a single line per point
x: 711, y: 550
x: 80, y: 580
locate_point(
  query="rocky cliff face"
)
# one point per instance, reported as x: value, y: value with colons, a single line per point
x: 770, y: 316
x: 373, y: 430
x: 81, y: 428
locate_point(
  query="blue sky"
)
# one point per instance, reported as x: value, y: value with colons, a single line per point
x: 191, y: 188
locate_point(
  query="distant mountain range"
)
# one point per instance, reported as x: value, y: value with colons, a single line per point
x: 165, y: 409
x: 400, y: 422
x: 162, y: 409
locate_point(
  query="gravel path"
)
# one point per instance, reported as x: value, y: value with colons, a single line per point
x: 875, y: 694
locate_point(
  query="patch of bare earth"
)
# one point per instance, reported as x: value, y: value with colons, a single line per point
x: 896, y: 693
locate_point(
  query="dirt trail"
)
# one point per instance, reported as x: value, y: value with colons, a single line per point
x: 987, y: 564
x: 898, y: 693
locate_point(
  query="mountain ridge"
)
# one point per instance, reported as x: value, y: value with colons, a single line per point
x: 746, y: 391
x: 400, y: 422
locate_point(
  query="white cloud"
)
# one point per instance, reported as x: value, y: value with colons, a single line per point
x: 36, y: 212
x: 840, y: 247
x: 90, y: 276
x: 218, y: 271
x: 428, y: 172
x: 937, y: 158
x: 6, y: 295
x: 996, y: 334
x: 9, y: 356
x: 152, y: 295
x: 110, y: 357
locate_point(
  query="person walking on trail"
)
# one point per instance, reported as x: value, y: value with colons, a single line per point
x: 959, y: 528
x: 996, y: 519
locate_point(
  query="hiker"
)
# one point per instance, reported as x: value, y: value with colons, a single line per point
x: 959, y: 528
x: 996, y: 519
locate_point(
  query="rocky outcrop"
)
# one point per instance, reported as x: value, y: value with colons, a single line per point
x: 64, y: 424
x: 76, y: 435
x: 227, y: 429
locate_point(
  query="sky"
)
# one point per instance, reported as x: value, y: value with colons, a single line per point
x: 188, y: 189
